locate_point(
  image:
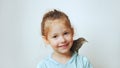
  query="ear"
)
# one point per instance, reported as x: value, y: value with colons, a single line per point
x: 45, y: 40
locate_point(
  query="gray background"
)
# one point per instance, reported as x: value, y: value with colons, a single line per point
x: 98, y: 21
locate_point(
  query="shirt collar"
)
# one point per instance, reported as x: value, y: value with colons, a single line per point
x: 69, y: 61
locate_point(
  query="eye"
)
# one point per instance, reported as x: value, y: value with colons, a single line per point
x: 54, y: 36
x: 65, y: 33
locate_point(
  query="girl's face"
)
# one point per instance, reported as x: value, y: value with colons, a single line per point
x: 60, y: 36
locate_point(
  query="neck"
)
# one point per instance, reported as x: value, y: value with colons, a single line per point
x: 62, y: 58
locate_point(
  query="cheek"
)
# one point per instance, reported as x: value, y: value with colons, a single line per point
x: 70, y: 38
x: 53, y: 43
x: 71, y: 41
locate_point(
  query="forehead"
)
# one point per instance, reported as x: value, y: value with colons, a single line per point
x: 50, y: 23
x: 57, y: 26
x: 57, y: 21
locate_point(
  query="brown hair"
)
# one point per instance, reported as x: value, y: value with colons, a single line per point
x: 52, y: 15
x: 55, y: 14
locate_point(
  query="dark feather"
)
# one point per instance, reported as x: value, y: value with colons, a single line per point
x: 77, y: 44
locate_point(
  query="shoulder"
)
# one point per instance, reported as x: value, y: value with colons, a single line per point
x: 80, y: 58
x: 84, y: 61
x: 42, y: 63
x: 83, y: 58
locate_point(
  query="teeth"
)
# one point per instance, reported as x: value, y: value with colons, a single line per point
x: 63, y: 45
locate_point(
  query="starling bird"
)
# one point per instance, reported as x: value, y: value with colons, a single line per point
x: 77, y: 44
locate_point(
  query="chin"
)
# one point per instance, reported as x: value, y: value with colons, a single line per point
x: 65, y: 51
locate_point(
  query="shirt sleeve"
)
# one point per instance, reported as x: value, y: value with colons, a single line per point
x: 87, y: 63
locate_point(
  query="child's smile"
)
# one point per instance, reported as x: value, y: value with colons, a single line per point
x: 60, y: 37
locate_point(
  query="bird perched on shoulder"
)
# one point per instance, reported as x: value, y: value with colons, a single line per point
x: 77, y: 44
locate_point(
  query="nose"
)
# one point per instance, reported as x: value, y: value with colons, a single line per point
x: 62, y: 39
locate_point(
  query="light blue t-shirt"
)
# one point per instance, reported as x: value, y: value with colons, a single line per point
x: 76, y: 61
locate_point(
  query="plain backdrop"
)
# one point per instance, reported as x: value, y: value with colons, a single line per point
x: 21, y: 45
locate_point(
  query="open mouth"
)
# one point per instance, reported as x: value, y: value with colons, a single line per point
x: 64, y: 46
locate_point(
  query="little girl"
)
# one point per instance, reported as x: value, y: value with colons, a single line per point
x: 57, y: 31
